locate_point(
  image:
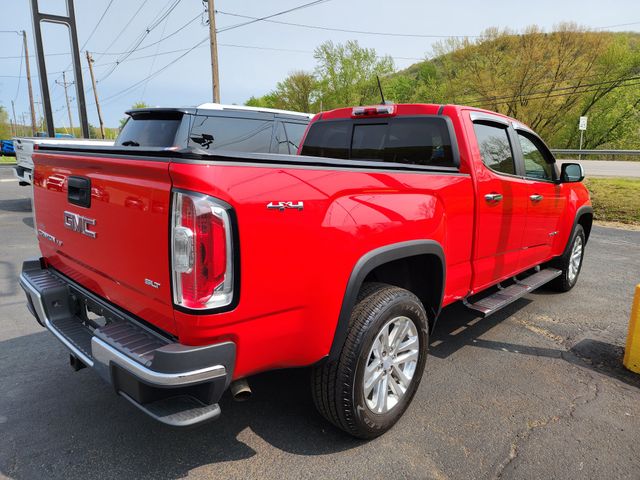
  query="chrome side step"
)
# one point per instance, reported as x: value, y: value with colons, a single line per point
x: 179, y: 411
x: 505, y: 296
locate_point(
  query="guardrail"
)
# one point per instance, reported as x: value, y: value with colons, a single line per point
x: 564, y: 151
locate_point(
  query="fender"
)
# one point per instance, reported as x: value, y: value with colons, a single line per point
x: 365, y: 265
x: 579, y: 213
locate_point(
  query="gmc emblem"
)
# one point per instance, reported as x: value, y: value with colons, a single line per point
x: 78, y: 223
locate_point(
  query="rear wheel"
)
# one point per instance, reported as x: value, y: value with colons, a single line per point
x: 571, y: 262
x: 373, y: 381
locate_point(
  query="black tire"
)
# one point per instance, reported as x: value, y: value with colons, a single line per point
x: 337, y: 386
x: 566, y: 281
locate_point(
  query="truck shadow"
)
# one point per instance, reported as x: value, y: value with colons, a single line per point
x: 72, y: 421
x: 459, y: 327
x: 16, y: 205
x: 8, y: 270
x: 56, y: 423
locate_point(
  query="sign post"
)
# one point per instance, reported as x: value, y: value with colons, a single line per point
x: 582, y: 125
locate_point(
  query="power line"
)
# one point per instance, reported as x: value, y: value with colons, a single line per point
x: 156, y: 42
x: 97, y: 25
x: 544, y: 97
x: 117, y: 37
x: 19, y: 74
x: 559, y: 89
x: 619, y: 25
x: 153, y: 61
x: 306, y: 5
x: 141, y: 38
x: 344, y: 30
x: 154, y: 74
x: 266, y: 18
x: 90, y: 35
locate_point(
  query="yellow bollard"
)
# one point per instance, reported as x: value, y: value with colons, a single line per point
x: 632, y: 350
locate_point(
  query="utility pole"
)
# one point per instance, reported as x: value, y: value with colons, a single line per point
x: 15, y: 120
x: 214, y: 51
x: 66, y: 94
x: 26, y: 62
x: 95, y: 93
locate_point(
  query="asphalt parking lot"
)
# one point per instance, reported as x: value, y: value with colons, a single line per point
x: 535, y: 391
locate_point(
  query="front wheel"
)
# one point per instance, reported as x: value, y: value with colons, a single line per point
x: 373, y: 381
x: 571, y: 262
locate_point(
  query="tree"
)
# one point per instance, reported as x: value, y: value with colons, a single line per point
x: 347, y: 74
x: 546, y: 80
x: 134, y: 106
x: 5, y: 125
x: 298, y: 92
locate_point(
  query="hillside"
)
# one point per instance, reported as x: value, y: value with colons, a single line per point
x: 547, y: 80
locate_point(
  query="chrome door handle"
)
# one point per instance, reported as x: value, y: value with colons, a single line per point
x: 536, y: 197
x: 493, y: 197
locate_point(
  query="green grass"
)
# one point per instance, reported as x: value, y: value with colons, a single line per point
x: 4, y: 159
x: 615, y: 199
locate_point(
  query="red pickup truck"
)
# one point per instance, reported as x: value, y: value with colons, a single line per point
x: 177, y: 268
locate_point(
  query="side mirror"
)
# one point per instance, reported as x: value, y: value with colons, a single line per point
x: 571, y: 173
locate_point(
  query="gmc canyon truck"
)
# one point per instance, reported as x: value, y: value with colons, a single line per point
x: 179, y: 268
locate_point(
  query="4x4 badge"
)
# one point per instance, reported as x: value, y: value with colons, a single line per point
x: 283, y: 205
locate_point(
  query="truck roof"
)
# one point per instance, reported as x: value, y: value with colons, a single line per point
x: 408, y: 109
x: 222, y: 107
x: 219, y: 106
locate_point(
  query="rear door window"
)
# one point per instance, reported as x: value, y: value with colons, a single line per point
x: 150, y: 130
x: 231, y: 134
x: 410, y: 140
x: 495, y: 148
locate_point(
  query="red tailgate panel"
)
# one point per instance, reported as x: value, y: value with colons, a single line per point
x: 130, y: 203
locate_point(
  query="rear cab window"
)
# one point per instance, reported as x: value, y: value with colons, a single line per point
x: 495, y: 147
x: 151, y: 129
x: 420, y: 140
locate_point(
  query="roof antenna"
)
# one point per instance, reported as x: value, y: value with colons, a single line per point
x: 381, y: 92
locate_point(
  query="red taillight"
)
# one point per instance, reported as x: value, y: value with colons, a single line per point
x: 202, y: 252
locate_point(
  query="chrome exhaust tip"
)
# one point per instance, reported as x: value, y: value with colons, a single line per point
x: 240, y: 390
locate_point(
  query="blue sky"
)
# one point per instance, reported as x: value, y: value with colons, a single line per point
x: 244, y: 69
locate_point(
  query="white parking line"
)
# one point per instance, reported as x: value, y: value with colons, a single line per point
x: 8, y: 179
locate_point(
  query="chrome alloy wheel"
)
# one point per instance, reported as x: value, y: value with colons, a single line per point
x: 575, y: 259
x: 391, y: 364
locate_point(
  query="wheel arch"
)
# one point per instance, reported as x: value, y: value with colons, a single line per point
x: 418, y: 266
x: 584, y: 217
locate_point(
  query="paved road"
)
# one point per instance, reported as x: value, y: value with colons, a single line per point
x: 609, y: 168
x: 535, y: 391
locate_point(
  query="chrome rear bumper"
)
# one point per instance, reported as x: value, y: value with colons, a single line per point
x: 146, y: 368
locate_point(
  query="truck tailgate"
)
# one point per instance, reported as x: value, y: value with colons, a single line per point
x: 117, y: 243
